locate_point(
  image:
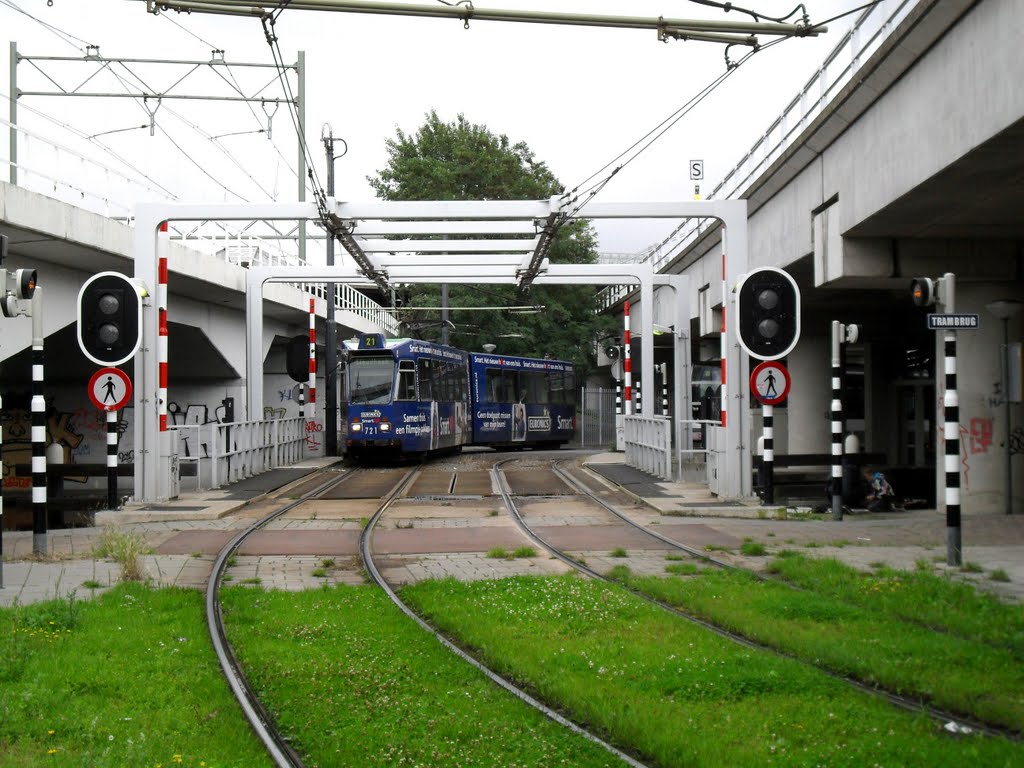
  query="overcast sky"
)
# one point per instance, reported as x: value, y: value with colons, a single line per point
x: 576, y: 96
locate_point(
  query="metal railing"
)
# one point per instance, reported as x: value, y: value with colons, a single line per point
x: 649, y: 444
x: 52, y: 169
x: 866, y: 35
x: 226, y: 453
x: 595, y: 417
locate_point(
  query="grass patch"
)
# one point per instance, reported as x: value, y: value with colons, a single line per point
x: 717, y: 548
x: 653, y: 683
x: 497, y: 553
x: 524, y: 552
x: 126, y: 679
x: 327, y: 562
x: 619, y: 552
x: 999, y: 574
x: 682, y: 569
x: 970, y: 567
x: 753, y: 548
x: 125, y: 549
x: 406, y: 700
x: 232, y: 561
x: 92, y: 584
x: 320, y: 573
x: 252, y: 580
x: 674, y: 557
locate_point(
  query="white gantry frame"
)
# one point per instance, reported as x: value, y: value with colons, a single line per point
x: 448, y: 242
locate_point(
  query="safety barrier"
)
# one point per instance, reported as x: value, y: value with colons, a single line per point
x: 226, y: 453
x: 649, y: 444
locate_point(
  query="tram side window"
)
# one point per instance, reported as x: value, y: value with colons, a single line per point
x: 557, y: 387
x: 426, y: 370
x: 533, y: 387
x: 563, y: 388
x: 500, y: 385
x: 406, y: 380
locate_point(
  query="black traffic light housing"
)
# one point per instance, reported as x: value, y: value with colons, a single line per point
x: 768, y: 313
x: 922, y: 290
x: 109, y: 318
x: 297, y: 358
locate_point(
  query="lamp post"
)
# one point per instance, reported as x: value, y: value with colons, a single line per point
x: 1004, y: 309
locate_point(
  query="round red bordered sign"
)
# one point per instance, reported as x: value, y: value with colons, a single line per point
x: 769, y: 382
x: 110, y: 389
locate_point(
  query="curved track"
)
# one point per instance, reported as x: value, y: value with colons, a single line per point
x: 366, y: 553
x: 259, y: 719
x: 540, y: 477
x: 904, y: 702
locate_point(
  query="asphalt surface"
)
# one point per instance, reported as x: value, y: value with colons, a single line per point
x: 426, y: 537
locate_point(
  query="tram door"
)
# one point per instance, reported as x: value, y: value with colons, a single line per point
x: 915, y: 419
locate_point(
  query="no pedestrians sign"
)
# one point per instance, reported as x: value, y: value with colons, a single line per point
x: 110, y: 389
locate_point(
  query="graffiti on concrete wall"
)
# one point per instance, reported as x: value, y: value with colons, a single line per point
x: 980, y: 435
x: 1017, y: 440
x: 67, y: 429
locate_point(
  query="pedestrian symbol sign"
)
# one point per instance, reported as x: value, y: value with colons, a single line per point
x: 110, y: 389
x: 769, y: 382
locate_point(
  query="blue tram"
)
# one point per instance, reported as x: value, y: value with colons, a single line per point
x: 521, y: 401
x: 409, y: 397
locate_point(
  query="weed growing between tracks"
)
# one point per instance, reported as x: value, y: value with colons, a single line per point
x: 126, y: 679
x: 677, y: 693
x: 352, y: 681
x: 864, y: 637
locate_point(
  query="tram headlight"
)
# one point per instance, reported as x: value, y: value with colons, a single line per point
x: 385, y: 426
x: 357, y: 427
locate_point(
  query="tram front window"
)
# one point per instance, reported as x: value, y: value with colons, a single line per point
x: 370, y: 380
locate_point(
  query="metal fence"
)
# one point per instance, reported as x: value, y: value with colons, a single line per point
x: 595, y: 418
x: 224, y: 453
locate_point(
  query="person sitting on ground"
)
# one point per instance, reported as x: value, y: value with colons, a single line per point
x: 880, y: 493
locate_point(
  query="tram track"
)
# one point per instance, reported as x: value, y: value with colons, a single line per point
x: 260, y: 720
x: 903, y: 702
x: 545, y: 482
x: 366, y: 554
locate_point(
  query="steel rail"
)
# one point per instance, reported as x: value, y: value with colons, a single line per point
x: 259, y: 718
x: 366, y: 553
x: 916, y: 706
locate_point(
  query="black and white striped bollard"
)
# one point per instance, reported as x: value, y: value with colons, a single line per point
x: 112, y: 460
x: 768, y: 457
x: 951, y: 432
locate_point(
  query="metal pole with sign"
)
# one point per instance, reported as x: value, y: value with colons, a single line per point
x: 110, y: 389
x: 769, y: 383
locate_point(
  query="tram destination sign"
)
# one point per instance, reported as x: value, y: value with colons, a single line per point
x: 954, y: 322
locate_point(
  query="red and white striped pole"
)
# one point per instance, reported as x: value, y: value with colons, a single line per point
x: 312, y: 359
x: 725, y: 309
x: 161, y: 339
x: 627, y: 364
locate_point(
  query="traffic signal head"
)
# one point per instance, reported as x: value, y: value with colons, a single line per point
x: 297, y: 358
x: 611, y: 351
x: 768, y: 313
x: 922, y: 289
x: 109, y: 318
x: 18, y: 285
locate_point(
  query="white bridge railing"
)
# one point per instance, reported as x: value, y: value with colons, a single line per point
x: 225, y: 453
x: 649, y: 444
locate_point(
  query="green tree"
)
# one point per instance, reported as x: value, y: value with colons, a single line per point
x: 463, y: 161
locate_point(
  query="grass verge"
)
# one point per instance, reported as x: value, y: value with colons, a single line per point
x: 861, y: 640
x: 355, y: 682
x: 676, y: 693
x: 126, y: 679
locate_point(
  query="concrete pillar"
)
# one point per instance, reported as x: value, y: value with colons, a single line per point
x: 809, y: 425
